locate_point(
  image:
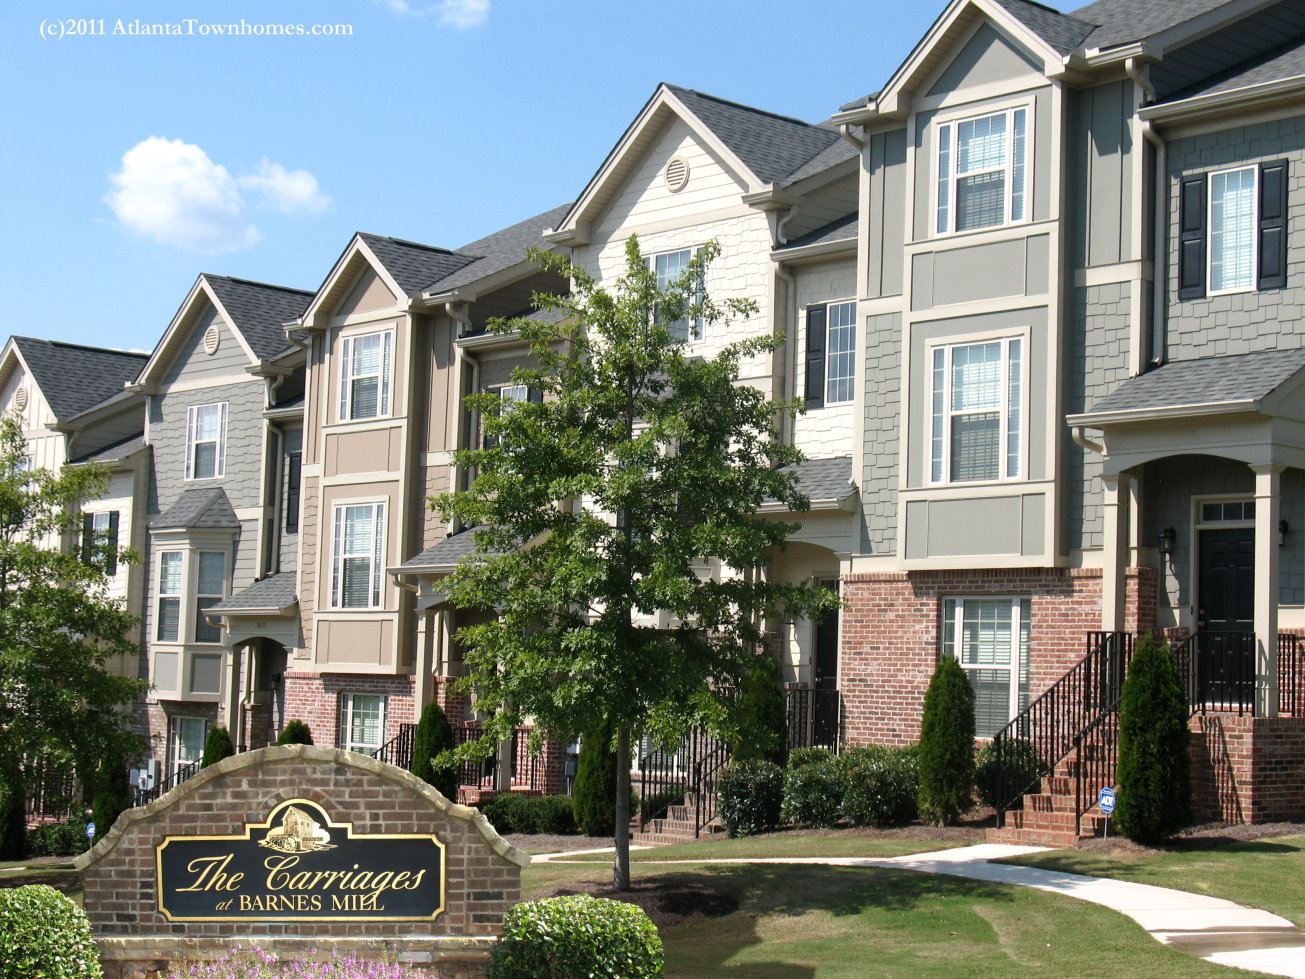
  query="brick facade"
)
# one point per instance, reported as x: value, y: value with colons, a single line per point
x: 1247, y: 769
x: 483, y: 873
x: 890, y: 634
x: 315, y: 699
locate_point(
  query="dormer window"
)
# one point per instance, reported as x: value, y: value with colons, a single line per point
x: 982, y: 172
x: 365, y: 375
x: 206, y: 438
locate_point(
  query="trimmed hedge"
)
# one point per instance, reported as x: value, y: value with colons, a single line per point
x: 577, y: 937
x: 750, y: 796
x: 511, y: 812
x: 881, y: 786
x: 812, y: 794
x: 808, y: 756
x: 65, y: 839
x: 43, y: 935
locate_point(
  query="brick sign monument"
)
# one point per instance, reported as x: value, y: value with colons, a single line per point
x: 298, y: 848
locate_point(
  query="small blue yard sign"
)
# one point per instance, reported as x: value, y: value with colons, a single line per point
x: 1106, y: 800
x: 90, y: 831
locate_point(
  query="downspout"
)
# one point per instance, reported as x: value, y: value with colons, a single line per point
x: 1079, y: 434
x: 845, y: 130
x: 1159, y: 220
x: 467, y: 367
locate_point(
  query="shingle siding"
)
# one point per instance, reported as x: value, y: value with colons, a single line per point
x: 883, y: 393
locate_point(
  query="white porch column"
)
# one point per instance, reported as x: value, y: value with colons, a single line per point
x: 1114, y: 549
x: 1268, y: 481
x: 231, y: 695
x: 424, y: 680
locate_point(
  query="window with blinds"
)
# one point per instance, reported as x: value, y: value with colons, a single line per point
x: 358, y: 555
x: 989, y: 637
x: 977, y: 411
x: 365, y: 375
x: 982, y: 171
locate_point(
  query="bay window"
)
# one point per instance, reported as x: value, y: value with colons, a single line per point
x: 358, y: 563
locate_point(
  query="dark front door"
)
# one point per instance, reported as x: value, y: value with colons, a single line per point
x: 826, y: 706
x: 1226, y: 615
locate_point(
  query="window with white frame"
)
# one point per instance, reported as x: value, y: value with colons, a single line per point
x: 831, y: 354
x: 509, y: 395
x: 670, y: 269
x: 977, y: 411
x: 210, y: 588
x: 168, y: 628
x: 362, y: 722
x: 100, y: 541
x: 206, y: 439
x: 358, y: 555
x: 186, y: 741
x: 1232, y: 234
x: 365, y: 375
x: 989, y: 637
x: 982, y: 171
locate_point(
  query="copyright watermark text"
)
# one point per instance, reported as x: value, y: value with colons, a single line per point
x: 57, y: 29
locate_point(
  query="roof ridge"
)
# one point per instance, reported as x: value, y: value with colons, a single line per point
x: 412, y: 244
x: 82, y: 346
x: 255, y: 282
x: 741, y: 105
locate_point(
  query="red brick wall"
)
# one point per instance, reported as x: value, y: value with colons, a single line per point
x: 482, y: 880
x: 890, y: 634
x: 1248, y: 769
x: 315, y: 699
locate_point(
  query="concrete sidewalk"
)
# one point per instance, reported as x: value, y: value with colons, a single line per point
x: 1209, y: 928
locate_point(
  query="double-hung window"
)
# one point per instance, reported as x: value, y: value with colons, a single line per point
x: 990, y: 639
x: 100, y: 541
x: 831, y: 354
x: 206, y: 441
x: 1233, y: 231
x: 670, y: 268
x: 187, y: 741
x: 362, y: 722
x: 509, y: 395
x: 978, y: 411
x: 358, y: 556
x: 982, y: 171
x: 365, y: 375
x: 209, y: 590
x: 168, y: 627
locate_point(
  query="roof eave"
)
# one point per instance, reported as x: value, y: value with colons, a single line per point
x: 253, y: 610
x: 1279, y: 89
x: 1100, y: 419
x: 821, y: 249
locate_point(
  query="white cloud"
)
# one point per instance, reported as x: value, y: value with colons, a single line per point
x: 288, y: 191
x: 461, y: 14
x: 464, y: 13
x: 171, y: 191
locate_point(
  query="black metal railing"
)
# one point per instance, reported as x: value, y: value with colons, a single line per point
x: 52, y: 791
x: 398, y: 750
x: 528, y: 773
x: 142, y: 796
x: 689, y: 770
x: 1030, y: 746
x: 1291, y: 676
x: 1096, y: 750
x: 815, y: 718
x: 1217, y: 670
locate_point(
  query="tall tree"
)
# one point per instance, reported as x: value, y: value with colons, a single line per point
x: 599, y: 501
x: 58, y: 624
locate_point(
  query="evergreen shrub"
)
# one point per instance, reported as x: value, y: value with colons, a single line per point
x: 881, y: 786
x: 433, y: 736
x: 1017, y: 764
x: 577, y: 937
x: 593, y: 797
x: 1153, y: 777
x: 66, y: 839
x: 296, y: 732
x: 812, y: 794
x: 13, y: 816
x: 43, y: 935
x: 112, y: 797
x: 947, y: 745
x: 749, y: 797
x: 762, y: 713
x: 512, y: 812
x: 807, y: 756
x: 506, y: 812
x: 216, y: 746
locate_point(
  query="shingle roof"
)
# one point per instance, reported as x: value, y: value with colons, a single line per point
x: 843, y: 229
x: 1284, y: 62
x: 414, y: 266
x: 498, y: 251
x: 1121, y: 21
x: 118, y: 450
x: 446, y: 553
x: 276, y: 591
x: 771, y: 146
x: 1062, y: 32
x: 259, y: 310
x: 831, y: 156
x: 824, y: 479
x: 1244, y: 377
x: 73, y: 377
x: 207, y: 508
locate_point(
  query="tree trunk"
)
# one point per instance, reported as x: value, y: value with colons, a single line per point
x: 621, y: 860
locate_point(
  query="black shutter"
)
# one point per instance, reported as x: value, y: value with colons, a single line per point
x: 111, y: 557
x: 293, y: 479
x: 815, y: 389
x: 1273, y: 225
x: 88, y: 538
x: 1191, y: 238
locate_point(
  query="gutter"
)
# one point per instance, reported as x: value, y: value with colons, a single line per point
x: 1278, y: 88
x: 818, y: 250
x: 1102, y: 418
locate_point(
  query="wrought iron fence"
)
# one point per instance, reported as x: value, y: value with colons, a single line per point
x: 691, y: 769
x: 398, y: 750
x: 1096, y: 749
x: 143, y: 796
x: 815, y: 718
x: 528, y: 773
x: 1029, y: 747
x: 1217, y: 670
x: 1291, y: 676
x: 52, y: 791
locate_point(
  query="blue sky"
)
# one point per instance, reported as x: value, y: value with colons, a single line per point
x: 133, y: 162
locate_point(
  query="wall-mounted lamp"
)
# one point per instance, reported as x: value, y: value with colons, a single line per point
x: 1282, y: 533
x: 1165, y: 541
x: 273, y: 681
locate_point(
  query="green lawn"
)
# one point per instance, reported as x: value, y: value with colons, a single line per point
x: 1260, y: 873
x: 783, y: 845
x: 811, y: 922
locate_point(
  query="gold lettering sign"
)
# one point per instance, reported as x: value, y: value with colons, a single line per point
x: 300, y: 866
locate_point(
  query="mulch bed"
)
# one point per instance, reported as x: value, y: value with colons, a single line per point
x: 1208, y: 836
x: 669, y: 900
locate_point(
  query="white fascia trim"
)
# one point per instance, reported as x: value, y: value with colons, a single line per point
x: 356, y: 246
x: 847, y: 502
x: 821, y: 249
x: 420, y: 570
x: 1277, y: 89
x: 257, y: 611
x: 481, y: 341
x: 1123, y: 416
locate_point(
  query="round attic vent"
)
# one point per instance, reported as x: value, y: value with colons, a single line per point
x: 677, y: 174
x: 20, y: 399
x: 211, y: 338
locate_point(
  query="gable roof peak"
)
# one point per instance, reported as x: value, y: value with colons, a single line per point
x: 74, y: 377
